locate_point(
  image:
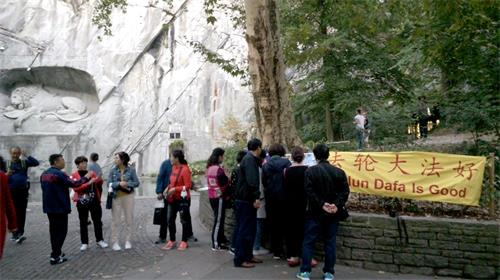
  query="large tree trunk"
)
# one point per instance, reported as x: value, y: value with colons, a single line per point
x: 270, y: 90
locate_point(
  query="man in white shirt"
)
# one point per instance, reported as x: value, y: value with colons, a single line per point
x: 359, y: 120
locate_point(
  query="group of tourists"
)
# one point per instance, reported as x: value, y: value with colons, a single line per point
x: 297, y: 202
x: 85, y: 187
x: 86, y: 184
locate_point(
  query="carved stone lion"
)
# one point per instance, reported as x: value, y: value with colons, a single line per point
x: 31, y: 101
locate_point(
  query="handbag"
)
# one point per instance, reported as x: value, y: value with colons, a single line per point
x: 125, y: 190
x: 109, y: 201
x: 159, y: 213
x: 88, y: 197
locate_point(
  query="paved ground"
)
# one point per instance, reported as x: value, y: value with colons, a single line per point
x: 145, y: 261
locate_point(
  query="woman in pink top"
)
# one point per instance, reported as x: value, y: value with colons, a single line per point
x: 217, y: 182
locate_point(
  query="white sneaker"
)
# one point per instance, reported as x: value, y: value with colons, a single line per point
x: 116, y: 247
x: 128, y: 245
x: 260, y: 252
x: 84, y: 247
x: 102, y: 244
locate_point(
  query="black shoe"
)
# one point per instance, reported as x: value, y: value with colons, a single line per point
x: 220, y: 248
x: 160, y: 241
x: 58, y: 260
x: 20, y: 239
x: 192, y: 238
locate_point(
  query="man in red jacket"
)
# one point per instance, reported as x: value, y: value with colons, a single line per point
x: 7, y: 211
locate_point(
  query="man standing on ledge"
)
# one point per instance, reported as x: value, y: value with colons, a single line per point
x: 246, y: 204
x: 56, y: 203
x: 359, y: 121
x: 327, y: 191
x: 17, y: 172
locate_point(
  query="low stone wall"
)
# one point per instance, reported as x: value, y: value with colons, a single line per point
x: 445, y: 247
x: 428, y: 246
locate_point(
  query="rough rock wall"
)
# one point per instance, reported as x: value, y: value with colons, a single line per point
x: 147, y: 80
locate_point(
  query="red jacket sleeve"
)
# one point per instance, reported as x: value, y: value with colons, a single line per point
x: 9, y: 205
x: 85, y: 186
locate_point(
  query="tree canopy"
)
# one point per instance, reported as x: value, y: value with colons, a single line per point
x: 383, y: 55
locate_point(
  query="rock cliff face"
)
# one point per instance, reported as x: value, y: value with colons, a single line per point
x: 132, y: 91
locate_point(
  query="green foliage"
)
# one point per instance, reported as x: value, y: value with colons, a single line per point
x: 235, y: 9
x: 365, y: 53
x: 198, y: 167
x: 342, y: 50
x: 230, y: 155
x: 104, y: 8
x: 232, y: 131
x: 102, y: 13
x: 176, y: 145
x: 228, y: 65
x: 236, y: 12
x: 461, y: 38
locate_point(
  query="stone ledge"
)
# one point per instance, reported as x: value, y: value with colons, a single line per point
x: 443, y: 247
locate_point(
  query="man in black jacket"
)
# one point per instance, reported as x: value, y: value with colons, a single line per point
x: 272, y: 179
x: 327, y: 191
x: 246, y: 203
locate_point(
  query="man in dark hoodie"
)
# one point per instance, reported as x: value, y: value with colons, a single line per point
x: 274, y: 192
x: 247, y: 201
x: 327, y: 191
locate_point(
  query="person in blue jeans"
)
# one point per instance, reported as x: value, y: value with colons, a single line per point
x: 327, y: 191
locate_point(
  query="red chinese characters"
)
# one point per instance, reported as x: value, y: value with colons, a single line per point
x: 397, y: 163
x: 365, y: 162
x: 431, y: 168
x: 335, y: 161
x: 466, y: 168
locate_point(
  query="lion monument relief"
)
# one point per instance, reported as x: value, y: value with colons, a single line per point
x: 34, y: 101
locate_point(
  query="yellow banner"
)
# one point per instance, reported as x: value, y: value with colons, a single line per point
x: 415, y: 175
